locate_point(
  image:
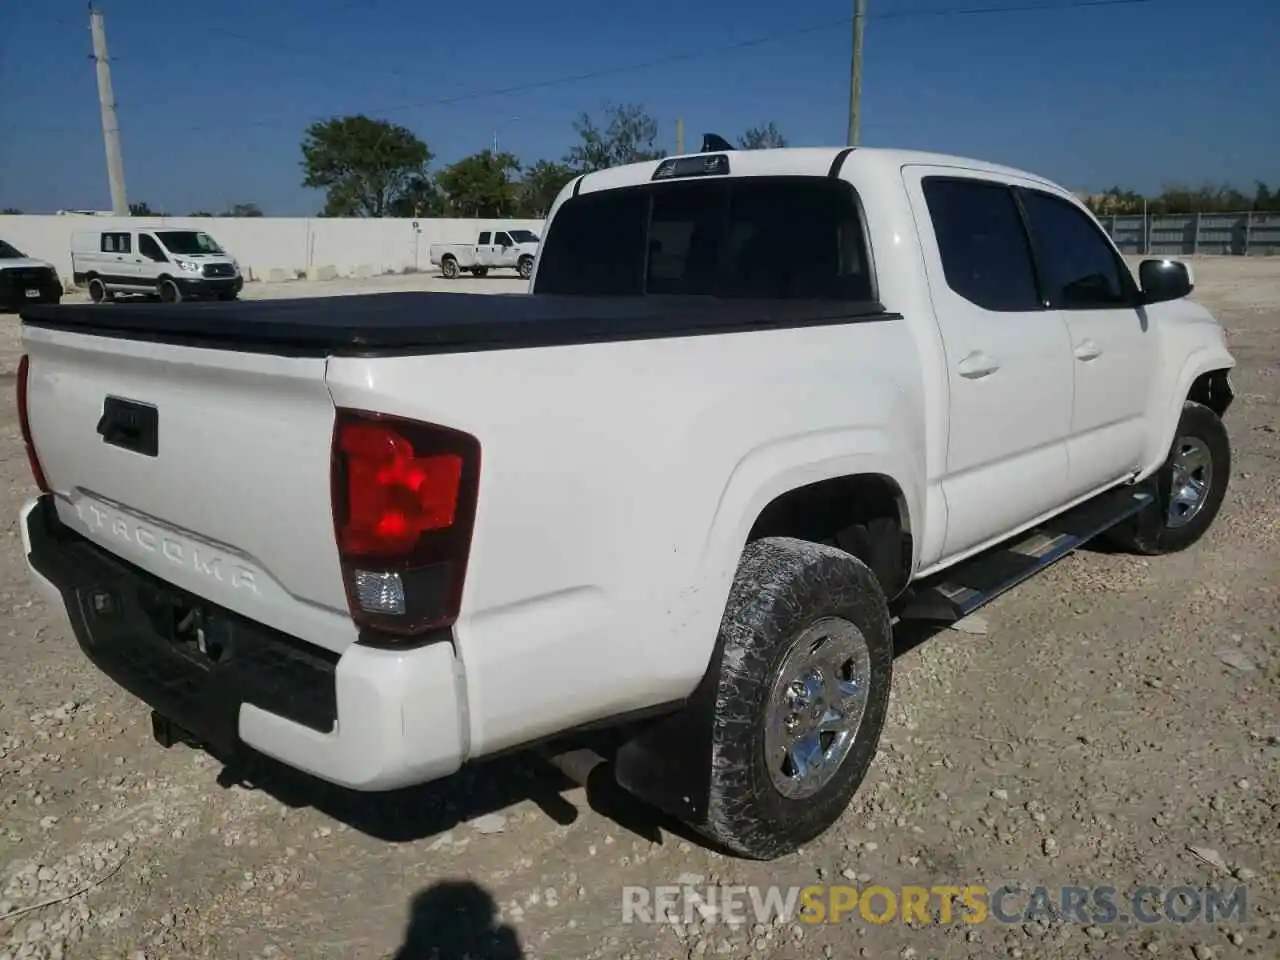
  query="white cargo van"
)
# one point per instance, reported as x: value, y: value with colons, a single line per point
x: 171, y: 263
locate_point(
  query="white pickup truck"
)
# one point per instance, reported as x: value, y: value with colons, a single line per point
x: 493, y: 250
x: 682, y: 490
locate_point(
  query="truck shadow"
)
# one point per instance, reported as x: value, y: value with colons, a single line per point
x: 492, y: 786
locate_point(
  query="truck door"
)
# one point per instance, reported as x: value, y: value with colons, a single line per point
x: 1113, y: 348
x: 504, y: 250
x: 1009, y: 366
x: 484, y: 249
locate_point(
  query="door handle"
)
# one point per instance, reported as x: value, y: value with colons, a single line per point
x: 1087, y: 350
x: 977, y: 365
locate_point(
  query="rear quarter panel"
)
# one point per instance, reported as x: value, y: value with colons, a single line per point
x: 618, y: 484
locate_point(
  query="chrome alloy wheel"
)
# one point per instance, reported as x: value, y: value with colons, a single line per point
x: 1192, y: 473
x: 815, y: 706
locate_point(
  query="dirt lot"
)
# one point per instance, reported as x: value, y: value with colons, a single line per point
x: 1116, y: 713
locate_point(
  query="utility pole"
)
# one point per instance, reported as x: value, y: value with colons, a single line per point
x: 855, y: 71
x: 679, y: 135
x: 110, y: 125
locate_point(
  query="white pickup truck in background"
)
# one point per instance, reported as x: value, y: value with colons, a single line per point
x: 493, y: 250
x: 681, y: 490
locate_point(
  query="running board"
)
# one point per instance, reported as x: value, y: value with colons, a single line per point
x: 957, y: 592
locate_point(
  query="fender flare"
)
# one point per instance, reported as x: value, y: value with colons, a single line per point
x: 1207, y: 360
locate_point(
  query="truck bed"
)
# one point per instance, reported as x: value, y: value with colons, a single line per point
x: 433, y: 323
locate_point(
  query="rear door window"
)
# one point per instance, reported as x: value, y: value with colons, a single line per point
x: 985, y: 253
x: 761, y: 237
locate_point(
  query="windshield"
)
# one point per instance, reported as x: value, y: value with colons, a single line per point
x: 10, y: 252
x: 759, y: 237
x: 189, y: 242
x: 523, y: 236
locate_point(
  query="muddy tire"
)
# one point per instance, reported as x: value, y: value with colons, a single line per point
x: 449, y: 268
x: 805, y: 656
x: 1189, y: 488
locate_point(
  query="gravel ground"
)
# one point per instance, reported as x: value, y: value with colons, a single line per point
x: 1111, y: 722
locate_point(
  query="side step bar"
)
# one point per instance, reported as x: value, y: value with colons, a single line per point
x: 959, y: 591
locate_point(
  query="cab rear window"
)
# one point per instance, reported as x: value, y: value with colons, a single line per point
x: 749, y: 237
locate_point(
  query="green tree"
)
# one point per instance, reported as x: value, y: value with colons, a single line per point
x: 363, y: 165
x: 243, y: 210
x: 480, y: 185
x: 540, y: 186
x: 762, y: 138
x: 11, y: 211
x: 143, y: 209
x: 421, y: 198
x: 200, y: 213
x: 625, y: 134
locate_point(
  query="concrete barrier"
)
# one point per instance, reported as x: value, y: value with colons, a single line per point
x: 269, y: 246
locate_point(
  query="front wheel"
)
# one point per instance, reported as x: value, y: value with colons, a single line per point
x: 449, y: 267
x: 98, y: 291
x: 525, y: 267
x: 802, y: 691
x: 168, y: 291
x: 1189, y: 488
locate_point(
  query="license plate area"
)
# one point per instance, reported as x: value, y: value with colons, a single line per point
x: 33, y: 294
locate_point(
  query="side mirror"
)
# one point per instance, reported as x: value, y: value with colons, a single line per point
x: 1163, y: 280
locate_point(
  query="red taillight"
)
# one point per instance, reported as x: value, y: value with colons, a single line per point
x: 24, y: 421
x: 404, y: 496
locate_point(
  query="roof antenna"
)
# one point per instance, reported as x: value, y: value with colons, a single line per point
x: 712, y: 142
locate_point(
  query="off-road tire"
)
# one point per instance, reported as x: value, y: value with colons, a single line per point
x: 782, y: 587
x: 1148, y: 532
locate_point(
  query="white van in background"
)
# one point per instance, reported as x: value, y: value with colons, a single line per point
x: 168, y: 262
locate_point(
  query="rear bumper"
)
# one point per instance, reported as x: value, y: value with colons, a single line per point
x: 16, y: 298
x: 368, y: 719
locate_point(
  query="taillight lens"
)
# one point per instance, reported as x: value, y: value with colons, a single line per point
x: 24, y: 421
x: 404, y: 498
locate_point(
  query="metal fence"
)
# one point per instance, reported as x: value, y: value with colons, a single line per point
x: 1188, y: 234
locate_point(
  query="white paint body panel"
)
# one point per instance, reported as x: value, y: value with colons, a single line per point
x: 618, y: 480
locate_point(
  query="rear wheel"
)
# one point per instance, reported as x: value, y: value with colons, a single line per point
x: 98, y: 291
x: 449, y: 267
x: 168, y: 291
x: 802, y: 692
x: 1189, y: 488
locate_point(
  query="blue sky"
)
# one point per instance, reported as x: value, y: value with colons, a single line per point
x: 213, y: 100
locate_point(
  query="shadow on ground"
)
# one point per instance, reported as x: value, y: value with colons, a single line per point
x: 415, y: 813
x: 457, y: 920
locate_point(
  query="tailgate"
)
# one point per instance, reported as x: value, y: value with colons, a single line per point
x: 232, y: 504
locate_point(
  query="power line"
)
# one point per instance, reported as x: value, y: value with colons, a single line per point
x: 695, y: 54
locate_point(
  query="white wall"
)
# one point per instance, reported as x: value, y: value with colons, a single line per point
x: 261, y: 244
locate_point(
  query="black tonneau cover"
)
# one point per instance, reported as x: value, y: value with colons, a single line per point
x: 421, y: 323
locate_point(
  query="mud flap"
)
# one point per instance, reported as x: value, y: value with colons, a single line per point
x: 668, y: 763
